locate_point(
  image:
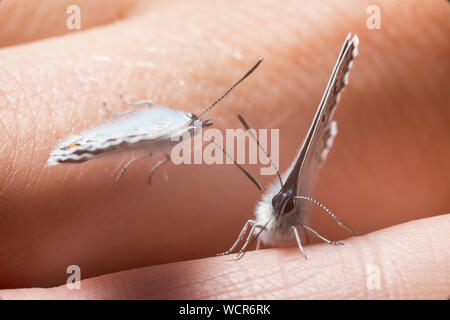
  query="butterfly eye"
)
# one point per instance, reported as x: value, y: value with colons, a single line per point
x: 289, y: 206
x: 276, y: 200
x: 283, y: 202
x: 324, y: 118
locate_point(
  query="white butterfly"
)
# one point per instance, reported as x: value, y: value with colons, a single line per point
x: 279, y: 213
x: 153, y: 130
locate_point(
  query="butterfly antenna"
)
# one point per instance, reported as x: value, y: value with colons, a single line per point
x: 247, y: 128
x: 339, y: 221
x: 235, y: 163
x: 231, y: 88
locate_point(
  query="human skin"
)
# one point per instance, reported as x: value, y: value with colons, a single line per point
x: 388, y: 166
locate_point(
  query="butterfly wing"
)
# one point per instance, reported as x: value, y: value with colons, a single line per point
x: 141, y: 130
x: 323, y: 129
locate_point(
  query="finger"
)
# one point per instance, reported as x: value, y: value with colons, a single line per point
x: 383, y: 164
x: 409, y: 261
x: 29, y: 20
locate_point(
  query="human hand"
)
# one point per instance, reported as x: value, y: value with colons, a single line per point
x: 388, y: 166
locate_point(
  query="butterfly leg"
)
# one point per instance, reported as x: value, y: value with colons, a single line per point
x: 116, y: 114
x: 299, y: 242
x: 156, y: 166
x: 306, y: 234
x: 129, y: 163
x: 320, y: 237
x: 128, y: 103
x: 247, y: 241
x: 258, y: 243
x: 137, y: 103
x: 239, y: 239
